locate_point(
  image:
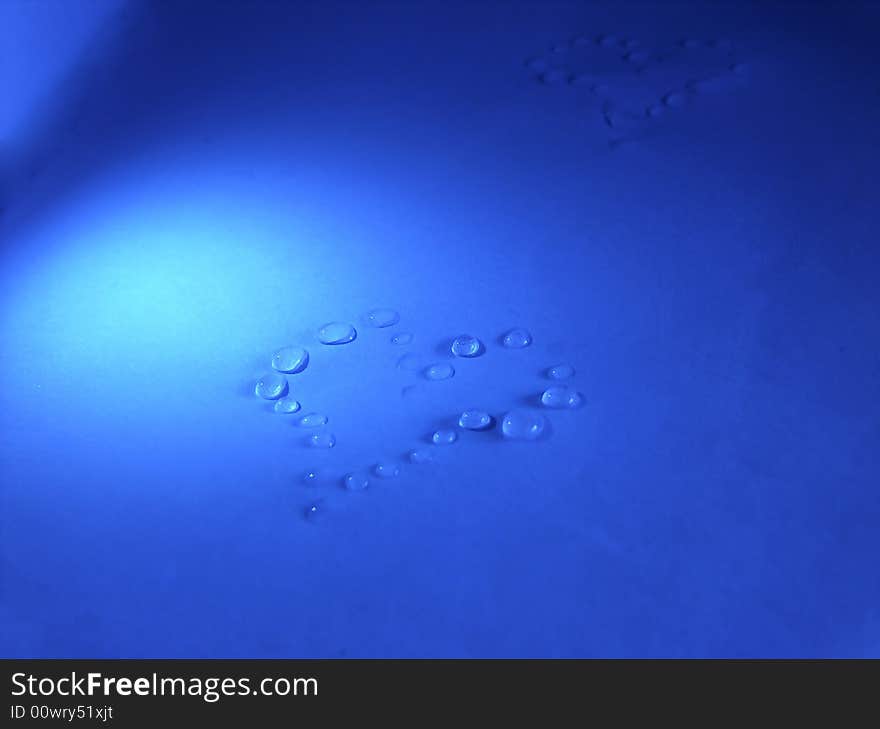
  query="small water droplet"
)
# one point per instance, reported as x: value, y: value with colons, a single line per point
x: 439, y: 371
x: 310, y: 478
x: 466, y: 345
x: 382, y: 318
x: 312, y: 420
x: 356, y: 482
x: 322, y: 440
x: 290, y: 360
x: 271, y: 386
x: 313, y: 512
x: 561, y: 371
x: 286, y: 405
x: 561, y: 396
x: 475, y: 420
x: 444, y: 437
x: 523, y: 425
x: 420, y: 456
x: 402, y: 338
x: 386, y: 470
x: 337, y: 332
x: 517, y: 339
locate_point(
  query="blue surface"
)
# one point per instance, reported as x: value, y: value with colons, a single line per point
x: 187, y: 187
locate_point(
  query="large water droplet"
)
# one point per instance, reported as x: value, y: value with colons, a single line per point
x: 322, y: 440
x: 465, y: 345
x: 475, y: 420
x: 290, y: 359
x: 561, y: 396
x: 444, y: 436
x: 356, y: 482
x: 271, y: 386
x: 523, y: 425
x: 312, y: 420
x: 386, y: 470
x: 337, y: 332
x: 420, y: 456
x: 439, y: 371
x: 286, y: 405
x: 561, y: 371
x: 382, y: 317
x: 402, y: 338
x: 517, y: 339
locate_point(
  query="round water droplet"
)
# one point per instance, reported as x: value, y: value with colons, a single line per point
x: 337, y: 332
x: 310, y: 478
x: 523, y: 425
x: 560, y: 396
x: 561, y: 371
x: 286, y: 405
x: 271, y: 386
x: 444, y: 437
x: 290, y: 360
x: 420, y: 456
x: 475, y: 420
x: 381, y: 318
x: 322, y: 440
x: 313, y: 512
x: 465, y: 345
x: 402, y: 338
x: 386, y: 470
x: 356, y: 482
x: 439, y: 371
x: 312, y: 420
x: 517, y: 339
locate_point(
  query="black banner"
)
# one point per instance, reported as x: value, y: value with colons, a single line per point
x: 136, y: 693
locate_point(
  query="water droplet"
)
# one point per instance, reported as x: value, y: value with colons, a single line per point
x: 290, y: 360
x: 420, y: 456
x: 312, y: 420
x: 560, y: 396
x: 313, y: 512
x: 386, y: 470
x: 356, y: 482
x: 286, y: 405
x: 337, y: 332
x: 382, y: 318
x: 561, y: 371
x: 322, y: 440
x: 517, y: 339
x: 439, y: 371
x: 271, y: 386
x: 310, y: 478
x: 475, y: 420
x: 444, y: 437
x: 402, y: 338
x: 523, y: 425
x: 465, y: 345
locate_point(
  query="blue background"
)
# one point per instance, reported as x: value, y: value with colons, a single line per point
x: 187, y: 186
